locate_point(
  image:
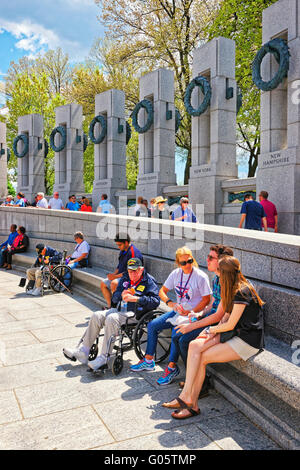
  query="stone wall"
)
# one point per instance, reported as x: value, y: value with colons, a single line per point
x: 271, y: 261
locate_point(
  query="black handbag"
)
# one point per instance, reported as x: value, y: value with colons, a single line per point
x: 227, y: 335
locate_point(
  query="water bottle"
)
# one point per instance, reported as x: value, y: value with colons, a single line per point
x: 123, y: 306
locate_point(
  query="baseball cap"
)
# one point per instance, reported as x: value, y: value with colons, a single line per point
x: 39, y: 248
x: 134, y: 264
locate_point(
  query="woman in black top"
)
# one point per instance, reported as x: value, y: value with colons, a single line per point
x: 239, y: 335
x: 20, y: 245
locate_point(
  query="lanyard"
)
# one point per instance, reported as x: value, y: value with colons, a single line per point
x: 183, y: 291
x: 133, y: 286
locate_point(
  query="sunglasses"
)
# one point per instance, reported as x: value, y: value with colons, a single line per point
x: 211, y: 257
x: 184, y: 263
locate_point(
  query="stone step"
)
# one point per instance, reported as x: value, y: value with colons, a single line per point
x: 275, y: 417
x: 266, y: 388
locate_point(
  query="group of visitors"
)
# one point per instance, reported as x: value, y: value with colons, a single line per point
x: 160, y: 210
x: 260, y: 215
x: 17, y: 242
x: 221, y: 324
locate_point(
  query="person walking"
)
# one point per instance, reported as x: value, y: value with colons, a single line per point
x: 270, y: 211
x: 253, y: 215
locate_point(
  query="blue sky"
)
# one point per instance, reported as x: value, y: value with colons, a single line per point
x: 34, y: 26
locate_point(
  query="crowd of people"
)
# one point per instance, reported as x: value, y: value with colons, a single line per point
x: 255, y: 215
x: 218, y: 323
x: 221, y: 323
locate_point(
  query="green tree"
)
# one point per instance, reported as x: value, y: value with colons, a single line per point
x: 242, y: 22
x: 159, y: 33
x: 30, y: 94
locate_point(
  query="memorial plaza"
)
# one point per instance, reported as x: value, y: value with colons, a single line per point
x: 203, y: 277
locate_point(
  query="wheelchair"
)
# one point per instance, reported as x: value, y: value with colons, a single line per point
x: 56, y: 277
x: 132, y: 335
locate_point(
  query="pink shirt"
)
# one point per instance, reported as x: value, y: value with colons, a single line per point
x: 271, y: 211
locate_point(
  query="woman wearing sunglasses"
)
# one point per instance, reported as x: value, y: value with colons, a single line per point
x: 239, y: 335
x: 192, y: 294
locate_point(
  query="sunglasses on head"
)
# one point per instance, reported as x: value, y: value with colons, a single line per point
x: 184, y: 263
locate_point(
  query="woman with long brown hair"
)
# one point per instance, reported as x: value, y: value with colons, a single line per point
x: 239, y: 335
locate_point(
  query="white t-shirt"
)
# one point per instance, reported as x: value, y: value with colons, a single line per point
x: 42, y: 203
x: 80, y: 249
x: 55, y: 203
x: 189, y: 294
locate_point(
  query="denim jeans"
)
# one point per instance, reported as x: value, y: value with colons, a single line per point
x: 181, y: 342
x: 1, y: 255
x: 154, y: 327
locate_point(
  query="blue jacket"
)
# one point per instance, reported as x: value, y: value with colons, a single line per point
x: 147, y: 290
x: 54, y: 256
x: 10, y: 239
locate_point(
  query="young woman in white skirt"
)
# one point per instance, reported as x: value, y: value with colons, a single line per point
x: 239, y: 335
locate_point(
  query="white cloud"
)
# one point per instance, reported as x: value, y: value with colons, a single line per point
x: 33, y: 37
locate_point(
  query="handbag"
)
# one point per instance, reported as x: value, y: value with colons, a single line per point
x: 227, y: 335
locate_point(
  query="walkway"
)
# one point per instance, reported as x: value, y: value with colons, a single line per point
x: 47, y: 402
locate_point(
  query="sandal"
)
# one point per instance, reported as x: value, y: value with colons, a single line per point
x: 173, y: 407
x: 184, y: 406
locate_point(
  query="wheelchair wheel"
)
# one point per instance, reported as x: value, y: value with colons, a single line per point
x: 93, y: 352
x: 61, y: 276
x: 140, y: 337
x: 117, y: 365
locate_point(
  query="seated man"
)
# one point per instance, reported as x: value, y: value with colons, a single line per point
x: 9, y: 201
x: 136, y: 288
x: 13, y: 234
x: 46, y: 255
x: 79, y: 258
x: 127, y: 251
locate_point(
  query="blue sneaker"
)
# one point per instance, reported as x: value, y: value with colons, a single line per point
x: 168, y: 376
x: 143, y: 365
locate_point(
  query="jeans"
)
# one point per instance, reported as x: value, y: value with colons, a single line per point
x: 154, y: 327
x: 181, y: 342
x: 1, y: 255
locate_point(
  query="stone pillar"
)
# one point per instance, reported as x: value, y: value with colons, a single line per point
x: 3, y: 160
x: 279, y: 162
x: 214, y: 132
x: 110, y: 154
x: 157, y: 146
x: 69, y: 162
x: 31, y: 168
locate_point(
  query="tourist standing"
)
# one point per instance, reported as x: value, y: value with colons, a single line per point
x: 183, y: 213
x: 104, y: 205
x: 55, y: 202
x: 86, y: 206
x: 270, y: 210
x: 42, y: 202
x: 253, y: 215
x: 72, y: 205
x: 161, y: 211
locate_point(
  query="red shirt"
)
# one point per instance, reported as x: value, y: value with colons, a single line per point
x: 85, y: 208
x: 271, y: 211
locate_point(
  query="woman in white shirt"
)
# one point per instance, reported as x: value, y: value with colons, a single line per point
x: 193, y: 292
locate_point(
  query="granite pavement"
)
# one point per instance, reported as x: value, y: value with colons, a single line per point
x: 48, y: 403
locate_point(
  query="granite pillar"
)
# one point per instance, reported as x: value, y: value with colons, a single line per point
x: 157, y: 146
x: 110, y: 154
x: 213, y: 132
x: 279, y: 162
x: 69, y: 162
x: 31, y: 168
x: 3, y: 160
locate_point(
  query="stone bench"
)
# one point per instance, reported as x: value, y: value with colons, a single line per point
x: 266, y: 388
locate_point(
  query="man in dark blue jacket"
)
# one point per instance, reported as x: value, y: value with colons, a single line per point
x: 11, y: 237
x: 136, y: 294
x: 46, y: 255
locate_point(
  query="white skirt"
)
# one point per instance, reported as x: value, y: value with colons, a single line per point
x: 243, y: 349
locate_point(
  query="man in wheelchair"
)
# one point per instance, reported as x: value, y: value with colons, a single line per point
x: 46, y: 255
x: 137, y: 293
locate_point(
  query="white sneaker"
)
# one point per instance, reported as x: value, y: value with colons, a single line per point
x: 98, y: 362
x: 76, y: 354
x: 37, y: 291
x: 29, y: 292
